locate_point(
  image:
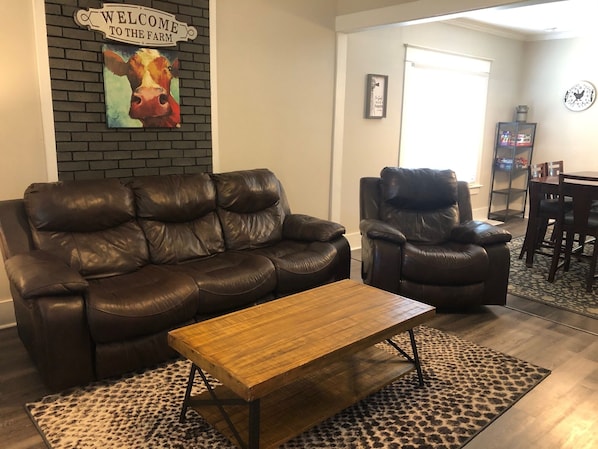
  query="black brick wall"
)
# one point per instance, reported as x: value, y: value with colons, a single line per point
x: 86, y: 147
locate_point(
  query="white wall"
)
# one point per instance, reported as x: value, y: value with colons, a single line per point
x: 22, y: 154
x: 276, y: 90
x: 550, y: 68
x: 370, y: 145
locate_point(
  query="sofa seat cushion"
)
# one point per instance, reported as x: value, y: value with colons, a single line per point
x: 448, y: 264
x: 301, y: 265
x: 229, y: 280
x: 141, y: 303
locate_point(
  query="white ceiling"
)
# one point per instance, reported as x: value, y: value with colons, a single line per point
x: 555, y: 20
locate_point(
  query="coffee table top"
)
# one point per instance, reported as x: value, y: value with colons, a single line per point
x: 259, y: 349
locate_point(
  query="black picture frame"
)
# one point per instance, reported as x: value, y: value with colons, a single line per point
x: 376, y: 92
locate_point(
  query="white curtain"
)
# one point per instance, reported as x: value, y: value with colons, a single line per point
x: 444, y: 107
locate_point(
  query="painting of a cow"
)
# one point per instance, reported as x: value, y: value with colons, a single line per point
x: 141, y: 87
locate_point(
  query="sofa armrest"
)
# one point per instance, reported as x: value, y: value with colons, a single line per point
x: 379, y: 230
x: 480, y: 233
x: 38, y: 273
x: 307, y: 228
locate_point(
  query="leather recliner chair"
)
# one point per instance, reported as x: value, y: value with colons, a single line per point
x: 419, y: 240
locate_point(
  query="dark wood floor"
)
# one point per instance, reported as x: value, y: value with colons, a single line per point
x: 562, y: 412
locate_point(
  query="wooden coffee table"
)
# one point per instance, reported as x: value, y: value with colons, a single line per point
x: 289, y: 364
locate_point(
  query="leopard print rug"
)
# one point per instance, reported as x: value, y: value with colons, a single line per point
x: 467, y: 387
x: 568, y: 291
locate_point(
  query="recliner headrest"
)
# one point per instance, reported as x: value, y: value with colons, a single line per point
x: 419, y: 189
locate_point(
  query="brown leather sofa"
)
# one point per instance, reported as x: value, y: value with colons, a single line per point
x: 101, y: 270
x: 419, y: 240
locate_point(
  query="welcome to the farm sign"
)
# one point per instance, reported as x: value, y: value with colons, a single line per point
x: 134, y: 24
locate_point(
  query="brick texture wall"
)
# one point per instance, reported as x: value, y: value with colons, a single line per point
x: 86, y: 147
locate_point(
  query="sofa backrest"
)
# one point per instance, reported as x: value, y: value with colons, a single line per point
x: 89, y: 224
x: 178, y: 216
x: 421, y: 203
x: 251, y: 206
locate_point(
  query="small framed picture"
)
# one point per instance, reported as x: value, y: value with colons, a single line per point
x: 375, y: 96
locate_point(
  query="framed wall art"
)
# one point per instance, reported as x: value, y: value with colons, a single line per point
x: 375, y: 96
x: 141, y: 87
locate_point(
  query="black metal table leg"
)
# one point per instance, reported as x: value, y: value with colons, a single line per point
x: 188, y: 393
x: 414, y: 359
x: 418, y: 366
x: 254, y: 409
x: 254, y: 424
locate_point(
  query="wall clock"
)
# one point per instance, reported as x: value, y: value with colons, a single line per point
x: 580, y: 96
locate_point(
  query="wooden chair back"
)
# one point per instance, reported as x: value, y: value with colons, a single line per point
x: 583, y: 192
x: 537, y: 170
x: 554, y: 168
x: 579, y: 217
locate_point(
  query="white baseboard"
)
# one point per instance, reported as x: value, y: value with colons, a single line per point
x: 481, y: 214
x: 354, y: 240
x: 7, y: 314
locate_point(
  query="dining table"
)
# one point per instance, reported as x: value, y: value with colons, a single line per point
x: 540, y: 188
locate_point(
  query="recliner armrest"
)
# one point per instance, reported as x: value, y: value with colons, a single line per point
x: 311, y: 229
x: 480, y: 233
x: 379, y: 230
x: 38, y: 273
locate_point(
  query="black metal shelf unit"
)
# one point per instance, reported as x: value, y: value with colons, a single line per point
x: 513, y: 150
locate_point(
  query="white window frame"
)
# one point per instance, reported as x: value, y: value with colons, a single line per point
x: 444, y: 109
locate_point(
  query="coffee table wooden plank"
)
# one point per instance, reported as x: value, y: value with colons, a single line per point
x: 258, y: 350
x: 295, y: 408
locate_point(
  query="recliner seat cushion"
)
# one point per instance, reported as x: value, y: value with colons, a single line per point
x: 178, y: 216
x: 90, y: 225
x: 301, y: 265
x: 421, y: 203
x: 229, y: 280
x: 449, y: 264
x: 138, y: 304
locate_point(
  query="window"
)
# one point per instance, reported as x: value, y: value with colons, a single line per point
x: 444, y: 107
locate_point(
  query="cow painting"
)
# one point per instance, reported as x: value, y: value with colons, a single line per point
x: 141, y: 86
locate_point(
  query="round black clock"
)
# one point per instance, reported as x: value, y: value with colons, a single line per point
x: 580, y: 96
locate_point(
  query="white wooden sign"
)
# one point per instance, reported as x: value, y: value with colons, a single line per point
x: 134, y: 24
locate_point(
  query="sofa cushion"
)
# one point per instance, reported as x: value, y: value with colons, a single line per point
x: 90, y: 225
x: 229, y: 280
x: 421, y: 203
x: 250, y: 207
x: 301, y: 265
x: 448, y: 264
x: 79, y: 206
x: 137, y: 304
x: 178, y: 216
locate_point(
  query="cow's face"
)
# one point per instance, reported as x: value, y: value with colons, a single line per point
x: 149, y: 74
